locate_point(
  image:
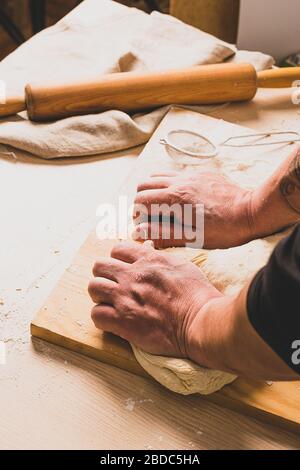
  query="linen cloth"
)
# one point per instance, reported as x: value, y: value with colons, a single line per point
x: 99, y: 37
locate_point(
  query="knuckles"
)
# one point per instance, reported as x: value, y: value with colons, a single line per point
x: 149, y: 275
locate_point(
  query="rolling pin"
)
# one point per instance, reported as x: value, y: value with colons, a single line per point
x: 132, y: 91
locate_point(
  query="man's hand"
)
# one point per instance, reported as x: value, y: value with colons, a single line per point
x: 225, y: 206
x: 148, y: 298
x: 166, y: 306
x: 231, y: 215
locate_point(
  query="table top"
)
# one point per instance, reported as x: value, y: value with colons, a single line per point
x: 52, y: 398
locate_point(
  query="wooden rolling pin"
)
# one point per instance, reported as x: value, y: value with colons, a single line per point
x: 130, y: 91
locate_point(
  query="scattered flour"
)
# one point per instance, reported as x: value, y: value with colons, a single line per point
x: 146, y: 400
x: 129, y: 404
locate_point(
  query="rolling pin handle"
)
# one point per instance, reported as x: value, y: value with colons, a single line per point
x: 12, y: 105
x: 283, y: 77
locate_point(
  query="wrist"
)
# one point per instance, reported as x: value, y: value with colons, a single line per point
x: 243, y: 218
x: 209, y: 335
x: 269, y: 212
x: 246, y: 211
x: 275, y: 205
x: 222, y: 338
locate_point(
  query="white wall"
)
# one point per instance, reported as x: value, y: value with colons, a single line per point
x: 271, y: 26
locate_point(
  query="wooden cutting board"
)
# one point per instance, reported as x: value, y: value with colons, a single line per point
x: 65, y: 318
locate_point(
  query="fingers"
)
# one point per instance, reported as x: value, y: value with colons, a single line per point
x: 102, y: 290
x: 108, y: 268
x: 155, y: 203
x: 152, y: 196
x: 165, y: 235
x: 129, y: 252
x: 154, y: 183
x: 105, y: 318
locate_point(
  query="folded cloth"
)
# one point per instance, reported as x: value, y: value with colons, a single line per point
x: 101, y: 37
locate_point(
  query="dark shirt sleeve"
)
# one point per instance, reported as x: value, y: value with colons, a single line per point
x: 273, y: 301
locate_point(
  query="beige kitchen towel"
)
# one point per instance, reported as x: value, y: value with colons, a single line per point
x: 97, y: 37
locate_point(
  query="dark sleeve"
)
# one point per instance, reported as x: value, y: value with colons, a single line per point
x: 273, y: 301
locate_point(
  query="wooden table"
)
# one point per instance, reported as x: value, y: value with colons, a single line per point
x: 52, y: 398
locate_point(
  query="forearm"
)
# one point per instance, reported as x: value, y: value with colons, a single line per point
x: 222, y: 338
x: 276, y: 204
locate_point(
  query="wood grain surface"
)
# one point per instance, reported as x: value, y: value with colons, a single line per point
x: 65, y: 318
x: 54, y: 398
x: 278, y: 78
x: 134, y: 91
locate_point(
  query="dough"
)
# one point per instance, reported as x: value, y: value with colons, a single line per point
x: 181, y: 375
x: 228, y: 270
